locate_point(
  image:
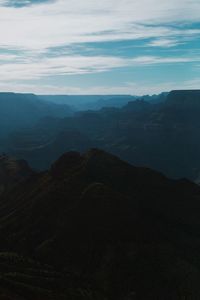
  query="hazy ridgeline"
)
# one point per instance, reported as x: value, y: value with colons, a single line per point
x: 161, y: 132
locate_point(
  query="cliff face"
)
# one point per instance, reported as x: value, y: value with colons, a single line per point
x: 184, y: 98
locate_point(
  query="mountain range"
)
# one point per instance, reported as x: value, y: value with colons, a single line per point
x: 23, y: 110
x: 161, y: 133
x: 96, y: 102
x: 95, y: 227
x: 85, y: 102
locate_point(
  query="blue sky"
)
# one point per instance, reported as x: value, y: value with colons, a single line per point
x: 99, y: 47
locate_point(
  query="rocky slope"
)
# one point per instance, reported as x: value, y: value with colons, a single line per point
x: 111, y: 230
x: 12, y: 171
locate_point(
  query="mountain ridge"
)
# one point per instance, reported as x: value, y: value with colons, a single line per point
x: 21, y: 110
x: 162, y: 135
x: 113, y: 228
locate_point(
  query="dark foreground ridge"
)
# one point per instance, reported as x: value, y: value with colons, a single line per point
x: 95, y: 227
x: 12, y: 171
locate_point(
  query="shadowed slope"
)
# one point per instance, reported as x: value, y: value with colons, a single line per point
x: 124, y: 230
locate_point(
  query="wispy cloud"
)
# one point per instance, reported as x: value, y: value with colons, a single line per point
x: 21, y: 3
x: 165, y: 43
x: 62, y: 22
x: 74, y: 65
x: 33, y: 31
x: 131, y: 88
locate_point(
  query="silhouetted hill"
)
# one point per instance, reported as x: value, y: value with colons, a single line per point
x: 155, y: 99
x: 100, y: 228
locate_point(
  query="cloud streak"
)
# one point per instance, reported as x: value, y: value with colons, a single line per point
x: 77, y: 65
x: 64, y: 22
x: 33, y: 32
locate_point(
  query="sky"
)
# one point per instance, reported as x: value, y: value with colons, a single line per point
x: 99, y: 47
